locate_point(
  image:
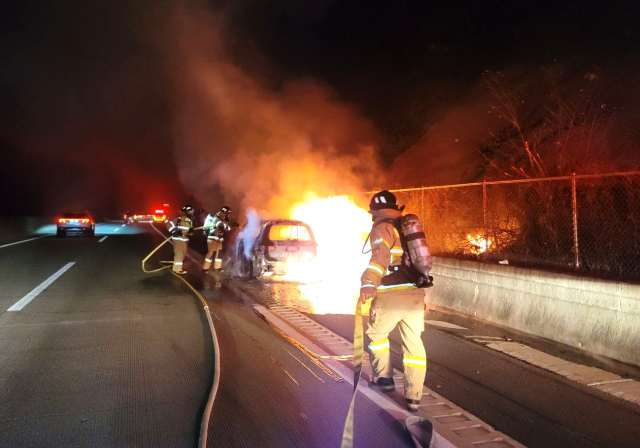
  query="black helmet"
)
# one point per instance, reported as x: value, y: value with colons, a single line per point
x: 225, y: 209
x: 187, y: 209
x: 382, y: 200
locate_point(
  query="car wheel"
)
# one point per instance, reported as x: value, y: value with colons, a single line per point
x: 257, y: 269
x: 92, y: 232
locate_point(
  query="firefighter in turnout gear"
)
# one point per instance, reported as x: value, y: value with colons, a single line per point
x: 180, y: 233
x: 397, y: 301
x: 215, y: 228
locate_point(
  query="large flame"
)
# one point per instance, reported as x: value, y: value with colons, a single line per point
x: 331, y: 282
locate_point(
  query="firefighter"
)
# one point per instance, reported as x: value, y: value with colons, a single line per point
x: 215, y: 228
x: 397, y: 301
x: 180, y: 233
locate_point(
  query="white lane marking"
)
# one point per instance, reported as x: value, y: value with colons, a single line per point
x: 32, y: 295
x: 103, y: 238
x: 18, y: 242
x: 116, y: 229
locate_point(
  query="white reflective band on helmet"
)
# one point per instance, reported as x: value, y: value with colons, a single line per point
x: 378, y: 269
x: 414, y: 361
x: 379, y: 346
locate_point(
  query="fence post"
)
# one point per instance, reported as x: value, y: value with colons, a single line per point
x: 484, y: 214
x: 574, y: 206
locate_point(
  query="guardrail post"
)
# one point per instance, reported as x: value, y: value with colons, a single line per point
x: 574, y: 206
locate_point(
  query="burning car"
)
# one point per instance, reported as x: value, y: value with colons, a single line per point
x: 271, y: 245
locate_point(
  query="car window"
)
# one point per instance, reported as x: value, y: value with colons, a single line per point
x: 283, y: 232
x: 75, y: 215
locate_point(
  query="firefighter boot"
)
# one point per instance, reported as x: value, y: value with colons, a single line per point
x: 383, y: 384
x: 413, y: 405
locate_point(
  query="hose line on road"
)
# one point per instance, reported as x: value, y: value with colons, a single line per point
x: 358, y: 354
x: 204, y: 423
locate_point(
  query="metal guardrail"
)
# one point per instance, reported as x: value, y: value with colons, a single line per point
x: 581, y: 223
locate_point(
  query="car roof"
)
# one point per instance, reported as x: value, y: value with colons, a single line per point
x: 75, y: 214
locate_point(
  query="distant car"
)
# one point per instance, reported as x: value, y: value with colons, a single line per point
x: 276, y: 241
x: 75, y: 223
x: 142, y: 218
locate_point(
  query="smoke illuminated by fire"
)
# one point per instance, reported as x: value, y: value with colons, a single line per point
x: 247, y: 142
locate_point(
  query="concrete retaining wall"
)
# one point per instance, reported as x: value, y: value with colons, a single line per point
x: 599, y: 316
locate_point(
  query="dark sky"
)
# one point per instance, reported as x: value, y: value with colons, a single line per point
x: 98, y: 97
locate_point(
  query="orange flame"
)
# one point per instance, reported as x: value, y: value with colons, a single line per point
x: 331, y: 282
x: 479, y: 244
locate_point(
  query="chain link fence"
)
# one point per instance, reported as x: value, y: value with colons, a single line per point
x: 581, y: 223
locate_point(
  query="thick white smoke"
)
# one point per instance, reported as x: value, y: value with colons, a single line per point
x: 250, y: 146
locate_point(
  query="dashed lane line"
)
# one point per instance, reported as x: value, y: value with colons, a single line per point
x: 33, y: 294
x: 103, y: 238
x: 19, y: 242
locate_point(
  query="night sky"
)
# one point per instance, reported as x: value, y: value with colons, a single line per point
x: 121, y: 105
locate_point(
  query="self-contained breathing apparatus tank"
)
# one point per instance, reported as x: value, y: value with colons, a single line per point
x: 417, y: 249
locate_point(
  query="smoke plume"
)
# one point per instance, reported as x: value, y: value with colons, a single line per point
x: 240, y: 142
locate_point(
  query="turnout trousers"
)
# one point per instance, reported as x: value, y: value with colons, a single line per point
x: 179, y: 252
x: 213, y: 250
x: 404, y: 308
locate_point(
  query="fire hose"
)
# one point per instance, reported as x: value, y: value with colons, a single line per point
x: 358, y: 354
x: 204, y: 423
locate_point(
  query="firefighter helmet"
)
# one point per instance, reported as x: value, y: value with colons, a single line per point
x: 187, y: 210
x: 383, y: 199
x: 225, y: 209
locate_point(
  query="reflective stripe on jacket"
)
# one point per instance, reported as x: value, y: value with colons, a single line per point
x: 386, y: 252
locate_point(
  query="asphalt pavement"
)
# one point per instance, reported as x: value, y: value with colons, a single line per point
x: 95, y: 353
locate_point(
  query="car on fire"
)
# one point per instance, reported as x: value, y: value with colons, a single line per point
x: 273, y: 243
x: 75, y: 222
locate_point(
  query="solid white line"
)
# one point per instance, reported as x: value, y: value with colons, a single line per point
x: 18, y: 242
x: 103, y: 238
x: 32, y: 295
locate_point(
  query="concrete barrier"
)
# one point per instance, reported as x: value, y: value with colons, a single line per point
x: 599, y: 316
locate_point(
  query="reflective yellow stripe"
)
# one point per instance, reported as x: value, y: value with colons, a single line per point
x: 382, y: 240
x: 380, y: 346
x: 383, y: 288
x: 414, y: 361
x: 376, y: 268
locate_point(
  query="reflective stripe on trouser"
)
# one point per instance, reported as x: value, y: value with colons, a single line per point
x: 179, y: 252
x: 404, y: 308
x: 213, y: 248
